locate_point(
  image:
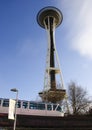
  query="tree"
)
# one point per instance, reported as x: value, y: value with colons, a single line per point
x: 77, y: 98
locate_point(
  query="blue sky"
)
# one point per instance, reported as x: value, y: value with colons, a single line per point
x: 23, y: 45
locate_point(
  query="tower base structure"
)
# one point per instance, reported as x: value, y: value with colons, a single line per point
x: 53, y: 95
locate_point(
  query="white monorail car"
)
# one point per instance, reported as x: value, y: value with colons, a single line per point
x: 32, y: 108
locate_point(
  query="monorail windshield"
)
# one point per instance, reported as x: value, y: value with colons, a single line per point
x: 32, y: 105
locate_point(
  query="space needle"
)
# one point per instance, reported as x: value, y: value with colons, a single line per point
x: 50, y: 18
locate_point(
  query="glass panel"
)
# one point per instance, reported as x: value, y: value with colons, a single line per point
x: 5, y: 103
x: 41, y: 106
x: 49, y: 107
x: 59, y: 108
x: 25, y: 105
x: 0, y: 102
x: 19, y: 104
x: 38, y: 106
x: 54, y: 107
x: 32, y: 105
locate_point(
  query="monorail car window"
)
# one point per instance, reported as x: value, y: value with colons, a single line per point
x: 54, y: 107
x: 32, y: 105
x: 0, y: 102
x: 59, y: 108
x: 19, y: 104
x: 41, y: 106
x: 25, y: 105
x: 49, y: 107
x: 5, y: 103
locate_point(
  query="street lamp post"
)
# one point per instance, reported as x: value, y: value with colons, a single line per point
x: 15, y: 118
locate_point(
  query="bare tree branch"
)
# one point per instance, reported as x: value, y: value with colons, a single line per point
x: 78, y: 99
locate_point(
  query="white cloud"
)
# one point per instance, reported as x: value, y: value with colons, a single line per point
x: 82, y: 41
x: 78, y: 20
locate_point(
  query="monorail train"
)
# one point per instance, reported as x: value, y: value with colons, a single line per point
x: 32, y: 108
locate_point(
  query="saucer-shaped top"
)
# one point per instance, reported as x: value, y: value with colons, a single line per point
x: 49, y: 12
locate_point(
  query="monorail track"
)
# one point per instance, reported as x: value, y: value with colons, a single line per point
x: 48, y: 123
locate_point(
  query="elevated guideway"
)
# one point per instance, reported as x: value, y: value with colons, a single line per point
x: 25, y: 122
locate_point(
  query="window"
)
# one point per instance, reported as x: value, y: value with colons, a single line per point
x: 41, y: 106
x: 19, y: 104
x: 0, y: 102
x: 32, y: 105
x: 25, y: 105
x: 49, y: 107
x: 58, y: 108
x: 54, y: 107
x: 5, y: 103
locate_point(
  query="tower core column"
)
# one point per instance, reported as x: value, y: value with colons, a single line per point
x: 49, y: 23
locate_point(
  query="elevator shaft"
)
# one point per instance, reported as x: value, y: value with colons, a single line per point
x: 49, y: 23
